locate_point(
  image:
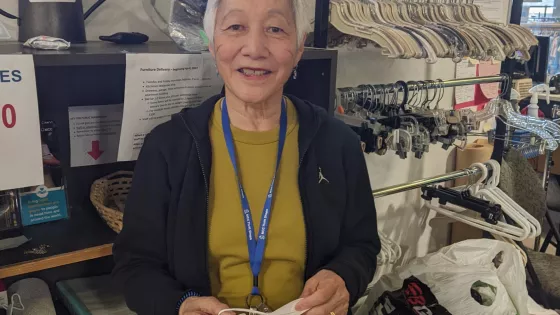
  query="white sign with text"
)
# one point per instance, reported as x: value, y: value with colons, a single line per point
x: 158, y: 86
x: 21, y: 162
x: 94, y: 134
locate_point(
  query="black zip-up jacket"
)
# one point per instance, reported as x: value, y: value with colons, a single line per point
x: 162, y: 251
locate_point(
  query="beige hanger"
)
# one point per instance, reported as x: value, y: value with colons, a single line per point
x: 514, y: 39
x: 382, y: 11
x: 410, y: 47
x: 482, y: 42
x: 376, y: 16
x: 336, y: 20
x: 437, y: 42
x: 358, y: 9
x: 353, y: 13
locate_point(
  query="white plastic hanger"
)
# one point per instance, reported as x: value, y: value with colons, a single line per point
x: 390, y: 251
x: 473, y: 219
x: 492, y: 185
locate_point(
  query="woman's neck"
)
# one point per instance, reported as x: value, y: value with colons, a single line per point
x: 262, y: 116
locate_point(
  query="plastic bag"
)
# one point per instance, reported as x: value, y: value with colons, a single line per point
x: 467, y: 278
x: 185, y: 24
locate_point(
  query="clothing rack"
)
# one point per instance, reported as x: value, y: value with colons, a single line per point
x: 391, y: 190
x: 460, y: 82
x: 412, y: 86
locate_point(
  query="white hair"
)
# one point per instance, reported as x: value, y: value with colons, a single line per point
x: 301, y: 16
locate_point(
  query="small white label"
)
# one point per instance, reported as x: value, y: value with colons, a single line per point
x: 72, y: 1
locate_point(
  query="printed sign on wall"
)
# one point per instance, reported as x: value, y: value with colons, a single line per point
x: 94, y: 134
x: 20, y: 140
x: 158, y: 86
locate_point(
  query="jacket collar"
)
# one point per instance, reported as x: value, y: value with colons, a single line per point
x: 197, y: 119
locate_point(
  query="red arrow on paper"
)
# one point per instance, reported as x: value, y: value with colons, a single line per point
x: 95, y: 153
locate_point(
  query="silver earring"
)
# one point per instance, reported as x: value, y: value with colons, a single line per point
x: 295, y: 73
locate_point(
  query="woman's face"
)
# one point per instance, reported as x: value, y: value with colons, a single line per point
x: 255, y: 47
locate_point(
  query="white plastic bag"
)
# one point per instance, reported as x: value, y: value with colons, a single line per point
x: 454, y: 272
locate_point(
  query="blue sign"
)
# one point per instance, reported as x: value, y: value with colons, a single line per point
x: 43, y: 205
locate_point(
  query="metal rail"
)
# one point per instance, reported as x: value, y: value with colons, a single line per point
x: 391, y: 190
x: 449, y: 83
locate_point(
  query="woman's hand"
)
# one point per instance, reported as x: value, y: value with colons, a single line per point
x: 325, y: 293
x: 203, y: 306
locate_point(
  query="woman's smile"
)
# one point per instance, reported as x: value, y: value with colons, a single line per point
x: 255, y: 74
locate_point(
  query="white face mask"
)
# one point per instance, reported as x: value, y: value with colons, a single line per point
x: 15, y: 304
x: 288, y: 309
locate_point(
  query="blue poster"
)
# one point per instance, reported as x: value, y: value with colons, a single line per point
x: 43, y: 205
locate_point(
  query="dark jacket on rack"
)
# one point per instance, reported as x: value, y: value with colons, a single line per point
x: 162, y: 250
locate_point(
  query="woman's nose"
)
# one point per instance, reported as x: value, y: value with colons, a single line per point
x: 256, y: 45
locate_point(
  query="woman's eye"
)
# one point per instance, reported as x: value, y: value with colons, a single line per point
x: 275, y: 29
x: 235, y: 27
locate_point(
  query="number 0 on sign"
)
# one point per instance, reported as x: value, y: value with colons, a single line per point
x: 20, y: 138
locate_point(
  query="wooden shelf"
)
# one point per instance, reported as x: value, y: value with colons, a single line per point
x: 82, y: 237
x: 55, y: 261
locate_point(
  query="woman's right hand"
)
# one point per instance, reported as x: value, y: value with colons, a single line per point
x: 203, y: 306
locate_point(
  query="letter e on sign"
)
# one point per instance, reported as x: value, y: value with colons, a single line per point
x: 21, y: 162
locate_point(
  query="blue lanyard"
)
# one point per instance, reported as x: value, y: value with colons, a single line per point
x: 255, y: 247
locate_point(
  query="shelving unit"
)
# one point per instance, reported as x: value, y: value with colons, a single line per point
x: 82, y: 237
x: 94, y: 74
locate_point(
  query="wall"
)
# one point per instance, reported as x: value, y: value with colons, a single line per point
x: 400, y: 215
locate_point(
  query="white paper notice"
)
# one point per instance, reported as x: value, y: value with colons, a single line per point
x: 158, y: 86
x: 493, y: 10
x: 21, y: 161
x: 94, y: 134
x: 464, y: 94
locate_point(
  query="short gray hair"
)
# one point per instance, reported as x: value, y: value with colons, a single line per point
x: 301, y: 15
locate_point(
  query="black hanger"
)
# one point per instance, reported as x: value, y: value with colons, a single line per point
x: 489, y: 211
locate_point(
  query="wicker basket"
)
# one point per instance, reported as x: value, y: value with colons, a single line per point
x: 108, y: 195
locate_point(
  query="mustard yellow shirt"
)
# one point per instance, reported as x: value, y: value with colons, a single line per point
x: 282, y: 274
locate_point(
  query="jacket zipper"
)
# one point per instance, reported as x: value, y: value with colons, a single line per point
x: 304, y: 221
x: 305, y: 216
x: 205, y: 189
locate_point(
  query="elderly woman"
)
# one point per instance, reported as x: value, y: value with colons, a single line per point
x: 253, y: 199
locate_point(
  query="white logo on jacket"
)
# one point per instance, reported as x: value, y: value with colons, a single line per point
x: 322, y: 178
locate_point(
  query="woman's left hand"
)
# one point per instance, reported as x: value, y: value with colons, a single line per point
x: 324, y: 294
